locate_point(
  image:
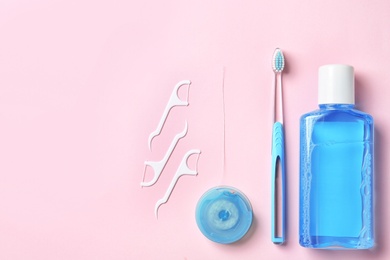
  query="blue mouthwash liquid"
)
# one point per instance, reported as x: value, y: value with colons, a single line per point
x: 336, y: 178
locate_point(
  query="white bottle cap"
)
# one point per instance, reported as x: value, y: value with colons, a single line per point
x: 336, y: 84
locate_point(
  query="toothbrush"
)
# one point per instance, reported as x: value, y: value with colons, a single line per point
x: 278, y: 160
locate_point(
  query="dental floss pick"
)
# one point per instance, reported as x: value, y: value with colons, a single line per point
x: 173, y: 101
x: 159, y: 166
x: 183, y: 169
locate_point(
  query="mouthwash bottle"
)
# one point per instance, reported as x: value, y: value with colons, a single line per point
x: 336, y: 167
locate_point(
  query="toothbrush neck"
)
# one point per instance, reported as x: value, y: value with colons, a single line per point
x: 336, y: 106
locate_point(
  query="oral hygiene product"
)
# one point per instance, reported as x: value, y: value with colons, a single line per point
x: 278, y: 192
x: 182, y: 170
x: 159, y: 166
x: 336, y: 167
x: 173, y: 101
x: 224, y: 214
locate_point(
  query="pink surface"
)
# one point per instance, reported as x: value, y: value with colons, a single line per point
x: 84, y: 83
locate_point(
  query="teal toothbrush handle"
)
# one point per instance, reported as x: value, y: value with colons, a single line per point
x: 278, y: 158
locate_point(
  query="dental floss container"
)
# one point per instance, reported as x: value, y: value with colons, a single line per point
x: 224, y: 214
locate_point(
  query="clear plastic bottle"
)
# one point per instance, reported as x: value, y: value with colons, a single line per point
x: 336, y: 167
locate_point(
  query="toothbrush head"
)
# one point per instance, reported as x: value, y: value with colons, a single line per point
x: 278, y: 61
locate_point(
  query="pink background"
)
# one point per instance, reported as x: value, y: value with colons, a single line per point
x: 84, y: 83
